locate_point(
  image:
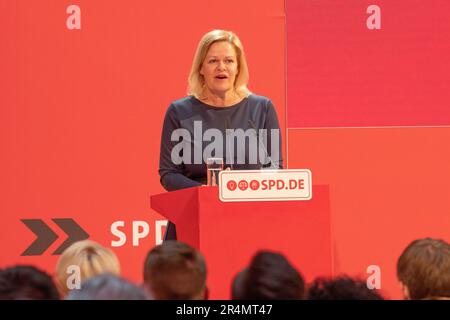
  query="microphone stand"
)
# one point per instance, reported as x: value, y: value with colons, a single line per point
x: 261, y: 145
x: 227, y: 126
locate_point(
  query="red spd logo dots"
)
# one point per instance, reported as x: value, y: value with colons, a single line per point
x: 254, y: 185
x: 231, y: 185
x: 243, y: 185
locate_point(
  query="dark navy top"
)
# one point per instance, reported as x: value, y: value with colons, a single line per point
x: 185, y: 112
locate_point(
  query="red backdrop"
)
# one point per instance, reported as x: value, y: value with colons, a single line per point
x: 343, y: 74
x: 81, y: 113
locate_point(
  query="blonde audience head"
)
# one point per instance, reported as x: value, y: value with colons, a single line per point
x: 87, y: 257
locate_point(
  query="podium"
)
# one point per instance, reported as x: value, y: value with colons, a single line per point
x: 230, y: 233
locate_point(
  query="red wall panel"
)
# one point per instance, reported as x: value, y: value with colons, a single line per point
x: 341, y: 74
x: 387, y: 188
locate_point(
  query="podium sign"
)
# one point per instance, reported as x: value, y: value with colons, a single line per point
x: 265, y: 185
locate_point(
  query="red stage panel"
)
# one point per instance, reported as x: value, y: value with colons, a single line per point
x: 387, y: 188
x: 341, y: 74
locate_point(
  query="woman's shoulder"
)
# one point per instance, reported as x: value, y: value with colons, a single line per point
x: 182, y: 107
x: 260, y: 102
x: 187, y: 104
x: 259, y: 99
x: 183, y: 102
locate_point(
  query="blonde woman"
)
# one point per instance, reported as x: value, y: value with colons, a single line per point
x: 220, y: 117
x: 81, y: 261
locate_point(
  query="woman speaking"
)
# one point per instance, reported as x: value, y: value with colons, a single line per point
x: 218, y: 111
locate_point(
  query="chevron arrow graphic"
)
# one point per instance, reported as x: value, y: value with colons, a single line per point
x: 74, y: 232
x: 45, y: 237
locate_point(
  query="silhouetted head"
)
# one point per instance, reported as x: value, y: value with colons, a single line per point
x: 175, y: 270
x: 342, y: 288
x: 108, y: 287
x: 423, y: 269
x: 26, y: 283
x: 269, y: 276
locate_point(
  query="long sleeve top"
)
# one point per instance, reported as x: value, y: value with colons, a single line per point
x: 193, y: 129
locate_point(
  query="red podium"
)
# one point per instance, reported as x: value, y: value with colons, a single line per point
x: 229, y: 233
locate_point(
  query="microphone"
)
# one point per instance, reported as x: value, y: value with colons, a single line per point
x: 262, y: 146
x: 227, y: 126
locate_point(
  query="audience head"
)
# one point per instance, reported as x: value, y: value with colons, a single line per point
x: 424, y: 269
x: 342, y: 288
x: 174, y: 271
x: 90, y: 258
x: 26, y: 283
x: 269, y: 276
x: 108, y: 287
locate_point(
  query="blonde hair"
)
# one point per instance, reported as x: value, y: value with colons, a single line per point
x: 196, y: 81
x: 92, y: 259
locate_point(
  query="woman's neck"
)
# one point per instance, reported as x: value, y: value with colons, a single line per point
x: 225, y: 99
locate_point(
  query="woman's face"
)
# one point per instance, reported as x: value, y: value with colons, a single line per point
x: 220, y: 67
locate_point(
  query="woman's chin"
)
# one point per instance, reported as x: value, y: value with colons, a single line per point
x: 221, y: 90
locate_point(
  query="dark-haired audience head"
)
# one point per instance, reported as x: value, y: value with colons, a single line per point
x: 174, y: 271
x: 269, y: 276
x: 26, y: 283
x: 423, y: 269
x: 108, y: 287
x: 342, y: 288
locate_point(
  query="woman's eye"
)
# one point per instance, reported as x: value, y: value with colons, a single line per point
x: 212, y: 61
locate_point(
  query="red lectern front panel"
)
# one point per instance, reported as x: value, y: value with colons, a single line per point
x: 229, y: 234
